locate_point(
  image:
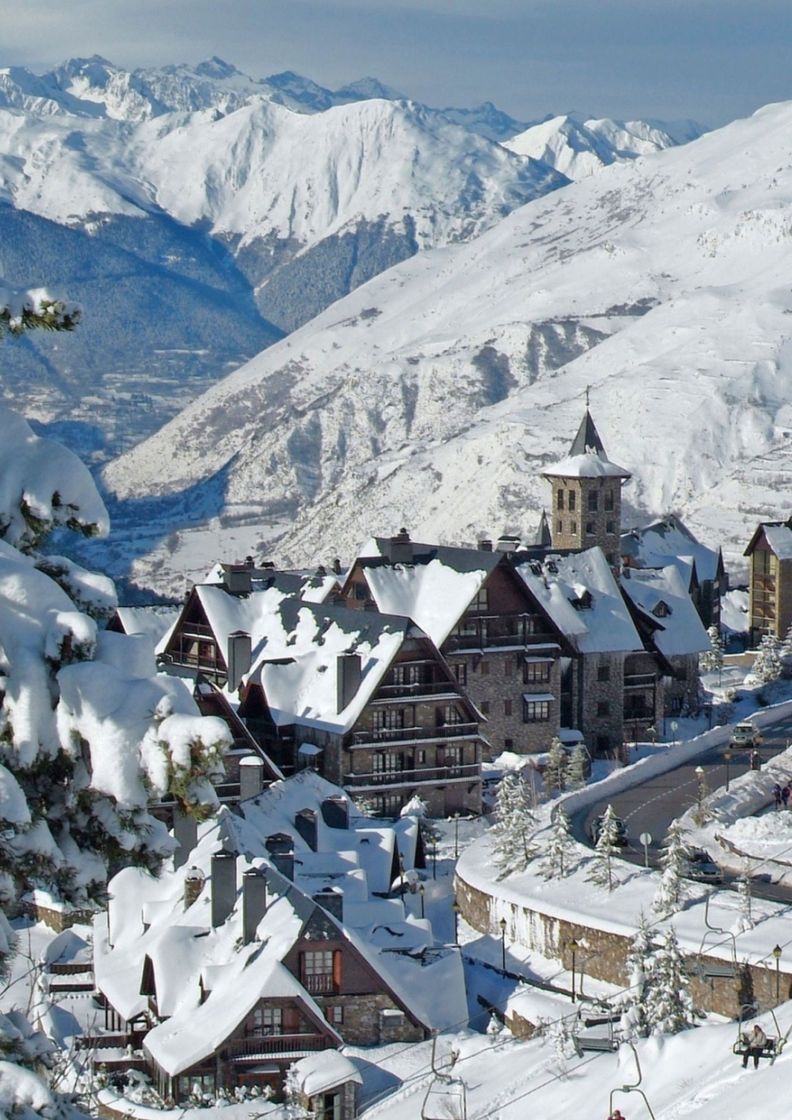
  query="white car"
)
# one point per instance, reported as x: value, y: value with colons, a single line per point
x: 745, y: 735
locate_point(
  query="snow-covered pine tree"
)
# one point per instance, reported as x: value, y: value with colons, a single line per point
x: 673, y: 861
x: 744, y: 898
x: 712, y: 660
x: 607, y: 846
x: 555, y: 767
x: 560, y: 849
x: 89, y: 733
x: 667, y: 1004
x: 514, y: 826
x: 786, y: 652
x: 767, y: 666
x: 576, y: 773
x: 634, y: 1020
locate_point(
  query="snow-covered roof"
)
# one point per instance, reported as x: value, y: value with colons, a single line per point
x: 580, y: 594
x: 779, y: 539
x: 154, y: 621
x: 191, y: 961
x: 318, y: 1073
x: 434, y: 587
x: 658, y: 544
x: 587, y: 457
x: 662, y: 596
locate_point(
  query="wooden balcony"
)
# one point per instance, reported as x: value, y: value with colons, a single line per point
x: 267, y: 1045
x: 470, y: 770
x: 321, y: 984
x: 494, y: 632
x: 444, y: 733
x: 416, y: 690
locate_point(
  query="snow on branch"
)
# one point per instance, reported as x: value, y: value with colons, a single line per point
x: 35, y: 309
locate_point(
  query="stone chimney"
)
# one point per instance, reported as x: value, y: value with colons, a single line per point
x: 194, y: 880
x: 223, y: 886
x: 485, y: 546
x: 348, y: 675
x: 332, y: 900
x: 335, y: 812
x: 251, y: 776
x: 185, y: 833
x: 400, y: 549
x: 237, y: 658
x: 238, y: 578
x: 305, y: 823
x: 254, y: 902
x: 283, y: 862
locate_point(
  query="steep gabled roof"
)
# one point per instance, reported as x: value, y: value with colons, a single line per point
x: 778, y: 537
x: 587, y: 439
x: 587, y: 457
x: 668, y: 540
x: 661, y: 596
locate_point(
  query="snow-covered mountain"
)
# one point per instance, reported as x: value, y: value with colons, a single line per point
x: 578, y: 147
x: 432, y: 396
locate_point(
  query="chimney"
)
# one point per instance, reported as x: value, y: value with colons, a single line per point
x: 335, y: 812
x: 305, y: 823
x: 508, y: 544
x: 194, y: 880
x: 254, y: 902
x: 337, y: 566
x: 185, y: 833
x: 347, y: 679
x: 237, y: 658
x: 251, y: 776
x: 485, y: 546
x: 223, y: 886
x: 400, y: 549
x: 283, y: 862
x: 238, y: 579
x: 332, y: 900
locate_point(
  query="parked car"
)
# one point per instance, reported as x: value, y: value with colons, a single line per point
x: 746, y: 735
x: 621, y: 831
x: 703, y: 869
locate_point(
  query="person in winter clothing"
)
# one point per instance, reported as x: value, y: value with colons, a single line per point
x: 756, y: 1042
x: 616, y: 1115
x: 777, y: 795
x: 785, y: 795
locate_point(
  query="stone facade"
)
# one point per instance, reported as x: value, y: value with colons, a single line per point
x: 601, y: 697
x: 587, y: 511
x: 368, y: 1019
x: 604, y: 954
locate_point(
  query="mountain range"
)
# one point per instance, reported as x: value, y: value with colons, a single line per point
x: 432, y: 396
x: 198, y: 214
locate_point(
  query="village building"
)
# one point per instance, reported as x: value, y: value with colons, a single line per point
x: 669, y: 541
x: 770, y: 555
x: 295, y: 928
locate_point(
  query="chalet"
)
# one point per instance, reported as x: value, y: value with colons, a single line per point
x: 770, y: 553
x: 669, y: 541
x: 273, y: 946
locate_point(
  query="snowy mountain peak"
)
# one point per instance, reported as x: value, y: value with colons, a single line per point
x: 215, y: 67
x: 365, y: 88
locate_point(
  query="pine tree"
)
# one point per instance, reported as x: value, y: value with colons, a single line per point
x: 744, y: 898
x: 667, y: 1004
x: 607, y: 846
x: 555, y: 767
x: 786, y: 652
x: 576, y: 773
x: 712, y: 660
x: 674, y: 864
x: 767, y: 666
x: 560, y: 850
x: 634, y: 1021
x: 514, y: 826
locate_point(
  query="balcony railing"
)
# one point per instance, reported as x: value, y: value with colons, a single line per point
x: 444, y: 732
x: 640, y: 680
x: 320, y: 984
x: 262, y: 1045
x: 416, y: 688
x: 486, y: 633
x: 413, y: 777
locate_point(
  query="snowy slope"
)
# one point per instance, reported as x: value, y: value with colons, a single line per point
x: 432, y: 397
x: 578, y: 147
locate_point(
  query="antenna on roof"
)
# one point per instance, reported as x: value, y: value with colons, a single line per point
x: 588, y: 391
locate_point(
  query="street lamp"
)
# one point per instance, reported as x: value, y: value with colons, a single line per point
x: 456, y: 908
x: 573, y: 946
x: 727, y: 754
x: 421, y: 889
x: 777, y: 957
x: 456, y: 835
x: 503, y: 944
x: 434, y: 859
x: 699, y: 772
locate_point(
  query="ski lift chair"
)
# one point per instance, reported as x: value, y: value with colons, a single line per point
x: 596, y: 1043
x: 774, y: 1044
x: 634, y: 1088
x: 707, y: 969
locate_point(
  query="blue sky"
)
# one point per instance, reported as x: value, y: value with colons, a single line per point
x: 711, y: 60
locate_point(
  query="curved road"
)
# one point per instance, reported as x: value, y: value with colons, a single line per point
x: 652, y: 806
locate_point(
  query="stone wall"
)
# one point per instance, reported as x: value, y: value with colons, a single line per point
x: 57, y: 918
x: 364, y: 1024
x: 603, y: 955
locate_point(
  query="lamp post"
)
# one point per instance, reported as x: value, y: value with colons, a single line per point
x: 456, y: 835
x: 503, y: 944
x: 573, y: 946
x: 434, y: 859
x: 455, y: 908
x: 777, y: 958
x: 421, y: 889
x: 727, y: 754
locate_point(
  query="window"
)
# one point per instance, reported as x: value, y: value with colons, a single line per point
x: 560, y: 499
x: 589, y: 528
x: 558, y: 527
x: 420, y: 758
x: 320, y: 970
x: 593, y: 501
x: 536, y: 672
x: 265, y: 1020
x: 609, y: 502
x: 536, y: 711
x: 388, y: 719
x: 408, y: 674
x: 335, y: 1013
x: 610, y: 526
x: 508, y: 667
x: 508, y: 744
x: 572, y: 502
x: 386, y: 762
x: 603, y: 708
x: 485, y: 668
x: 481, y: 602
x: 361, y: 591
x: 388, y: 804
x: 573, y: 526
x: 485, y: 707
x: 603, y: 672
x: 460, y: 672
x: 452, y: 758
x: 603, y: 744
x: 507, y: 707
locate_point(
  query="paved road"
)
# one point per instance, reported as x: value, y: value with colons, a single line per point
x: 652, y: 806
